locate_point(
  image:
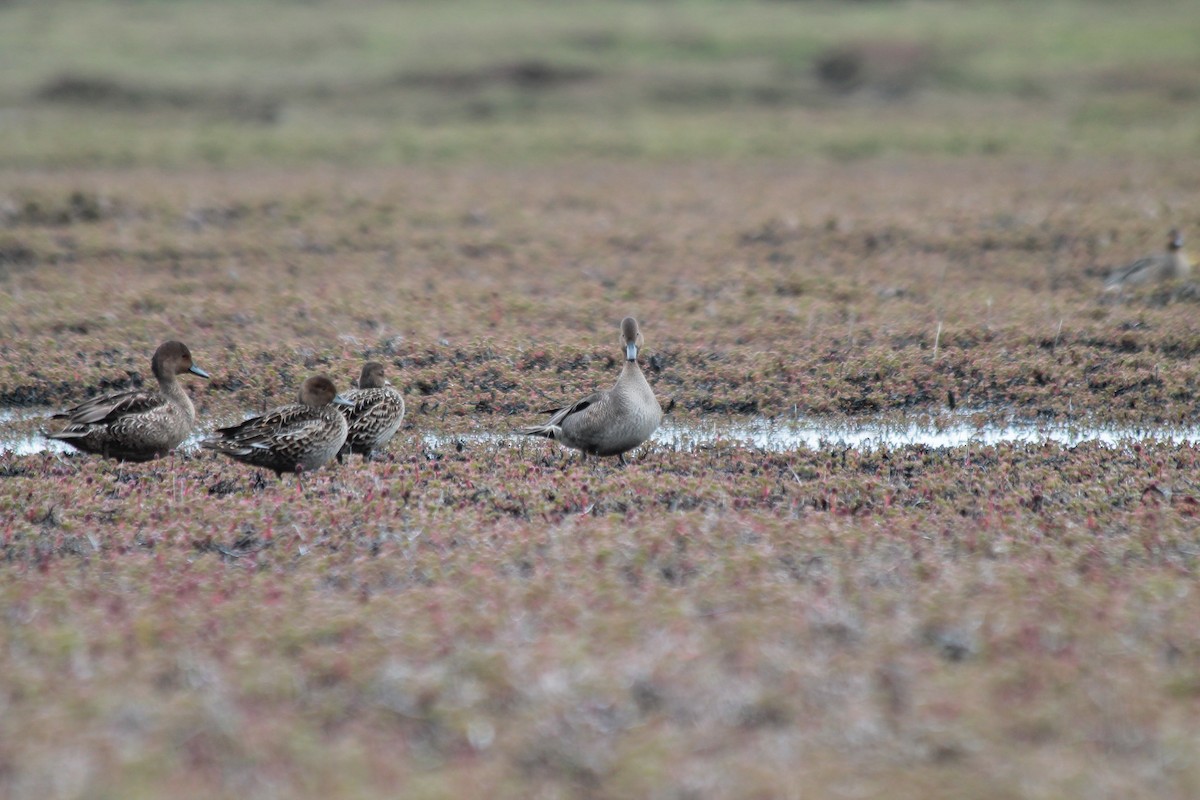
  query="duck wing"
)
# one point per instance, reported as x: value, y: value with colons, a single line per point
x: 1140, y: 270
x: 111, y: 407
x: 579, y: 406
x: 279, y: 424
x: 552, y: 428
x: 373, y: 408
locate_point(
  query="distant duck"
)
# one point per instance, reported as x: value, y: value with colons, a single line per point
x: 301, y: 437
x: 141, y: 424
x: 375, y: 413
x: 610, y: 422
x: 1152, y: 269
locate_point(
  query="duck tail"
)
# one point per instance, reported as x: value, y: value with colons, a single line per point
x: 71, y: 432
x: 545, y: 431
x: 221, y: 445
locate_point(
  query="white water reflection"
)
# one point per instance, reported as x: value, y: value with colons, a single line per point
x: 781, y: 436
x: 32, y: 445
x: 20, y: 434
x: 768, y: 434
x: 10, y: 415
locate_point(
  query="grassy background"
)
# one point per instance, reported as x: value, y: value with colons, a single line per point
x: 266, y: 81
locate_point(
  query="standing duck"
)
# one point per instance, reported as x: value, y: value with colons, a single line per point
x: 300, y: 437
x: 613, y: 421
x: 374, y: 415
x: 141, y: 424
x: 1151, y: 269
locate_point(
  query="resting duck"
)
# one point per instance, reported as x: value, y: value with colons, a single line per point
x: 610, y: 422
x: 141, y: 424
x: 1151, y: 269
x: 374, y: 414
x: 300, y: 437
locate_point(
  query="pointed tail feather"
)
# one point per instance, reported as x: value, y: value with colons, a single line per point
x: 66, y: 433
x: 545, y: 431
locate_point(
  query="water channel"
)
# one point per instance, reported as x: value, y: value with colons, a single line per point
x: 19, y: 433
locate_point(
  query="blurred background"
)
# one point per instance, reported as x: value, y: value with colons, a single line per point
x: 240, y: 82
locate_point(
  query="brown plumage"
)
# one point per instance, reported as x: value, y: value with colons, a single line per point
x: 613, y: 421
x: 1166, y: 266
x: 141, y: 424
x: 300, y: 437
x: 375, y: 414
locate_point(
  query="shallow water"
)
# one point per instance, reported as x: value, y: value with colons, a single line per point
x: 19, y: 434
x: 776, y: 436
x: 779, y: 436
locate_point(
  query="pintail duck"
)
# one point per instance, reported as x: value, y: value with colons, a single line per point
x: 610, y: 422
x: 374, y: 415
x: 141, y: 424
x: 1151, y: 269
x: 300, y: 437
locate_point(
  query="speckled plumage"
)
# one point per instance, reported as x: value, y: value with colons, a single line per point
x: 141, y: 424
x: 613, y: 421
x: 376, y: 414
x: 1159, y: 267
x: 300, y: 437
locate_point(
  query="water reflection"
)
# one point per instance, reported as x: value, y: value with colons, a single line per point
x: 766, y: 434
x: 20, y: 434
x: 779, y: 436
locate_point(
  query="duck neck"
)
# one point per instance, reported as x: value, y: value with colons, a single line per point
x: 631, y: 373
x: 1182, y: 264
x: 174, y: 390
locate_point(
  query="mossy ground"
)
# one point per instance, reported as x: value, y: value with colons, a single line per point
x: 495, y: 617
x: 294, y: 188
x: 805, y: 288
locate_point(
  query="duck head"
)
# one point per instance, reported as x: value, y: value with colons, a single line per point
x: 319, y: 391
x: 173, y: 358
x: 371, y: 376
x: 631, y: 338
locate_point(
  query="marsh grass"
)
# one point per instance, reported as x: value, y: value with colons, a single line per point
x: 814, y: 290
x: 452, y: 620
x: 492, y: 617
x: 265, y: 81
x: 475, y: 194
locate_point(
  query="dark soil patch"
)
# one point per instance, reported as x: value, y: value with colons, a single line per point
x: 89, y: 90
x: 530, y: 75
x: 77, y: 206
x: 892, y: 67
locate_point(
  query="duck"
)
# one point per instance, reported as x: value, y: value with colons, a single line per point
x: 610, y: 422
x: 300, y: 437
x: 1159, y: 267
x: 140, y: 424
x: 375, y: 413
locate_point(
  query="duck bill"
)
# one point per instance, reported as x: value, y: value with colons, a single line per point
x: 197, y: 371
x: 341, y: 401
x: 631, y: 352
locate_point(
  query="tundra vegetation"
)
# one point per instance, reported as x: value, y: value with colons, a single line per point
x: 897, y: 211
